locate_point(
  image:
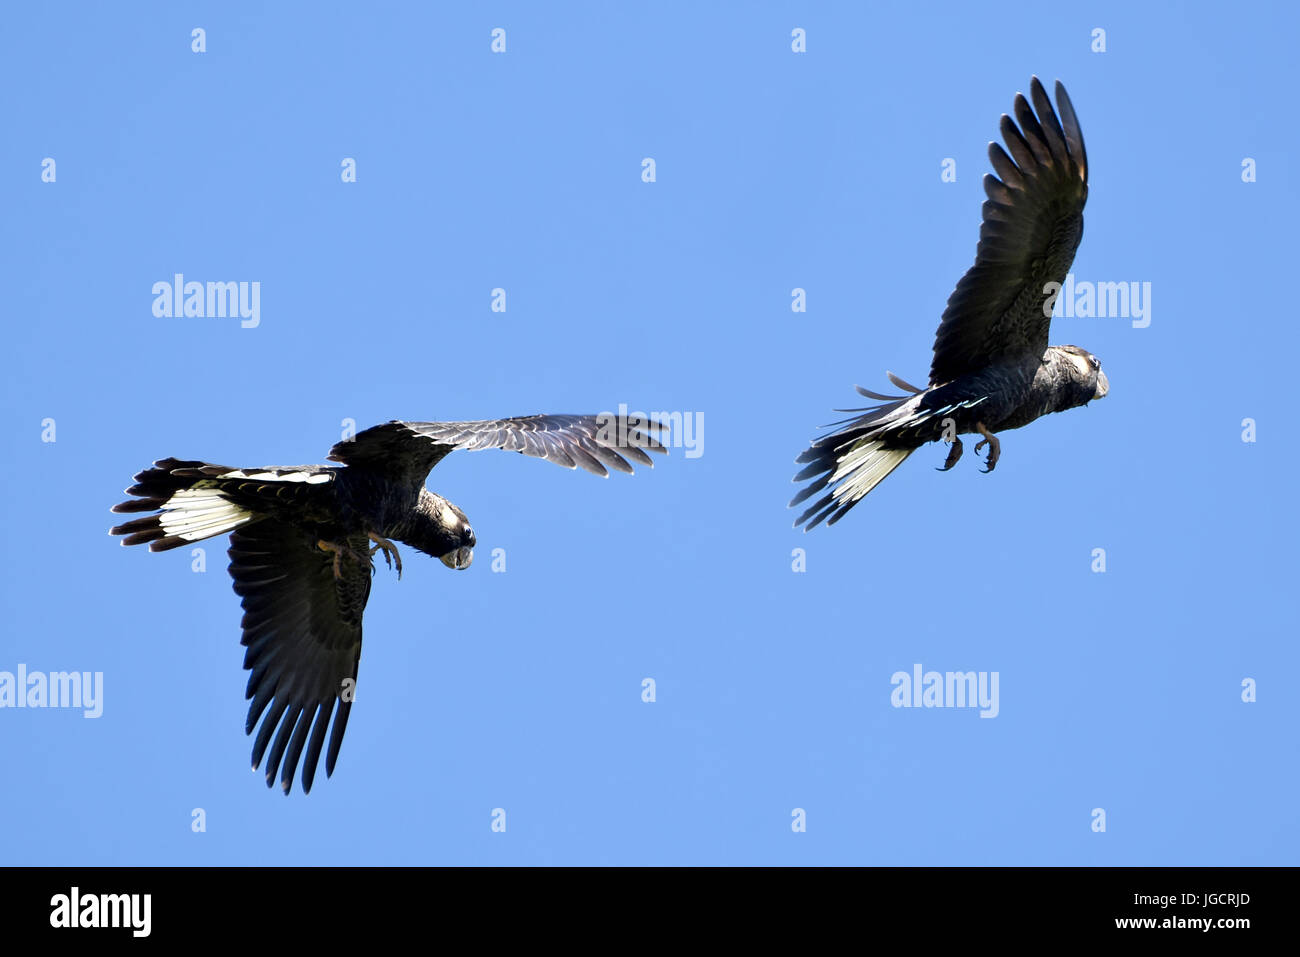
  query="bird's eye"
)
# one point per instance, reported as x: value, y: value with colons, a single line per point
x: 1096, y: 363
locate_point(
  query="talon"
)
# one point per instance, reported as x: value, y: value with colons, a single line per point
x: 337, y: 550
x: 953, y: 455
x: 391, y: 555
x: 995, y: 447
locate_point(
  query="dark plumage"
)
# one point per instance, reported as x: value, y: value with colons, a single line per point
x: 993, y: 369
x: 301, y: 545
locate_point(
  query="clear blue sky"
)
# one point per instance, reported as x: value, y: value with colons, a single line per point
x: 775, y: 170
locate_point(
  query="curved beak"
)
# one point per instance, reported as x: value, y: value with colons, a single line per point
x: 1103, y: 385
x: 458, y: 557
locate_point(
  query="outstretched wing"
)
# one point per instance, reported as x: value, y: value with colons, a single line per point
x: 1033, y: 221
x: 597, y: 443
x: 302, y: 629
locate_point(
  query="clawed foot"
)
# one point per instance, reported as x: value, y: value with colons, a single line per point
x: 995, y: 447
x: 953, y: 455
x: 339, y: 551
x: 390, y: 552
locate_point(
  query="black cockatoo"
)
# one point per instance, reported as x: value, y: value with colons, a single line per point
x: 301, y: 543
x: 993, y: 369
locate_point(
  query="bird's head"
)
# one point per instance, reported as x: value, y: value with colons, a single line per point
x: 442, y: 530
x: 1081, y: 373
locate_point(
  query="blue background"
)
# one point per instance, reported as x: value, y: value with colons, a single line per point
x: 775, y: 170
